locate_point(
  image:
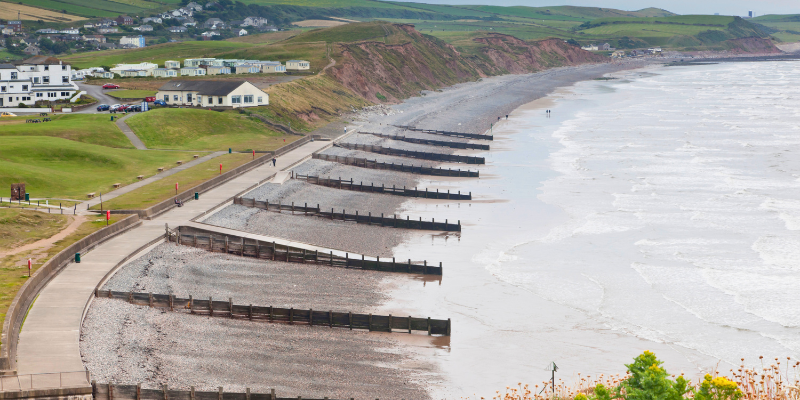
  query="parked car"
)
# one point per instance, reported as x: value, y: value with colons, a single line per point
x: 114, y: 107
x: 136, y: 108
x: 103, y: 107
x: 161, y: 103
x: 110, y: 86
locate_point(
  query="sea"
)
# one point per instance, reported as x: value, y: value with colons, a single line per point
x: 656, y: 209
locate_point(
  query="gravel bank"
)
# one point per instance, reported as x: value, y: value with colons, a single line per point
x: 338, y: 151
x: 345, y: 236
x: 131, y: 344
x: 373, y: 140
x: 300, y: 193
x: 329, y: 169
x: 184, y: 271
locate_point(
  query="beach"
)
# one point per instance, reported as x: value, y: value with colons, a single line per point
x: 410, y: 366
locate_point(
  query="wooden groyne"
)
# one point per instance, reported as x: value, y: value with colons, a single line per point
x: 420, y: 155
x: 331, y: 319
x: 345, y: 184
x: 113, y: 391
x: 238, y: 245
x: 374, y: 164
x: 446, y: 133
x: 440, y: 143
x: 369, y: 219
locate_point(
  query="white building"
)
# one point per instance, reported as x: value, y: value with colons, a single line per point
x: 226, y: 93
x: 145, y: 66
x: 35, y: 79
x: 254, y: 21
x: 172, y: 64
x: 298, y: 65
x: 242, y: 32
x: 165, y: 73
x: 133, y: 73
x: 271, y: 67
x: 192, y: 71
x: 134, y: 41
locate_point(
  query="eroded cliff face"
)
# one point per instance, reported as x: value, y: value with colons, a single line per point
x: 752, y: 45
x: 389, y: 73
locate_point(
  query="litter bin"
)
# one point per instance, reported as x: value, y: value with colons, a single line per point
x: 196, y: 196
x: 230, y: 150
x: 28, y: 197
x: 78, y: 258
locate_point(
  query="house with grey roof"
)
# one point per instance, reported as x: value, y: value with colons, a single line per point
x: 226, y: 93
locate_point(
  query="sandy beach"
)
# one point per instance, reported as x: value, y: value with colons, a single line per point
x: 128, y: 344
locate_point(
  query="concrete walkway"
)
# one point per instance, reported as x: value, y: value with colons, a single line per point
x: 129, y: 132
x: 82, y: 207
x: 49, y: 340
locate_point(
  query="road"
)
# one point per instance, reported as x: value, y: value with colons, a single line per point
x: 98, y: 93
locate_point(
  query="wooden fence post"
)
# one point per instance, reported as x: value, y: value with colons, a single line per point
x: 220, y: 393
x: 370, y: 322
x: 191, y: 393
x: 166, y: 396
x: 350, y: 316
x: 311, y: 317
x: 171, y: 304
x: 230, y: 305
x: 138, y: 391
x: 210, y: 306
x: 429, y: 326
x: 409, y: 324
x: 291, y: 316
x: 150, y: 299
x: 110, y: 392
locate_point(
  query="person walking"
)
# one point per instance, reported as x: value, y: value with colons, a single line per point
x: 274, y: 161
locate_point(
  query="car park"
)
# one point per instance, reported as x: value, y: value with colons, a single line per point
x: 103, y: 107
x: 110, y: 86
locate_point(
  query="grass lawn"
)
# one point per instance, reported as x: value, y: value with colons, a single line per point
x: 164, y: 189
x: 87, y: 128
x: 197, y: 129
x: 131, y: 94
x: 28, y: 226
x: 60, y: 168
x: 155, y: 54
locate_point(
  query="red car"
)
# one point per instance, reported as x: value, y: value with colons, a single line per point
x: 110, y: 86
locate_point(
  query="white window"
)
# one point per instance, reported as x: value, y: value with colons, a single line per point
x: 13, y: 75
x: 236, y: 99
x: 51, y: 94
x: 35, y: 79
x: 46, y: 67
x: 64, y: 79
x: 63, y: 67
x: 64, y: 94
x: 200, y: 99
x: 175, y: 97
x: 260, y: 100
x: 26, y: 99
x: 45, y: 79
x: 40, y: 94
x: 248, y: 98
x: 2, y: 89
x: 24, y: 87
x: 166, y: 97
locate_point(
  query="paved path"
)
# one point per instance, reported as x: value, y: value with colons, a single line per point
x: 49, y: 340
x: 129, y: 132
x: 82, y: 207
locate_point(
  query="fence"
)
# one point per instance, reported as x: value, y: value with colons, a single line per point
x: 108, y: 391
x: 369, y: 219
x: 441, y: 143
x: 350, y: 185
x: 31, y: 288
x: 56, y: 380
x: 447, y: 133
x: 420, y: 155
x: 238, y: 245
x: 226, y: 309
x: 373, y: 164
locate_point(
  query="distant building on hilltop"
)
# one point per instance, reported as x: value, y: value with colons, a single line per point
x: 298, y: 65
x: 124, y: 20
x: 132, y: 41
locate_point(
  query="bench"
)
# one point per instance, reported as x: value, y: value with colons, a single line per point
x: 90, y: 195
x: 117, y: 185
x: 179, y: 162
x: 140, y: 177
x: 161, y: 169
x: 196, y: 156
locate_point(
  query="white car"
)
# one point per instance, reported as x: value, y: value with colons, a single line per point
x: 114, y: 107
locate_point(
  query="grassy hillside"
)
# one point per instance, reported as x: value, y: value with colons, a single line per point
x: 60, y: 168
x: 196, y: 129
x: 101, y: 8
x: 86, y: 128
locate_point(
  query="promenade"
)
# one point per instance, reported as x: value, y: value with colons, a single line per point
x: 49, y: 339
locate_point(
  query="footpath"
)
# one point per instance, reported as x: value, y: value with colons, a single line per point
x: 49, y: 339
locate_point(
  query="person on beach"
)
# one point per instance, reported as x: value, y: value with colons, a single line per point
x: 274, y: 161
x: 345, y: 129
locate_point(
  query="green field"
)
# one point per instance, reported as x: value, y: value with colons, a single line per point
x: 86, y: 128
x: 156, y: 192
x: 131, y: 94
x: 185, y: 128
x: 98, y: 8
x: 60, y: 168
